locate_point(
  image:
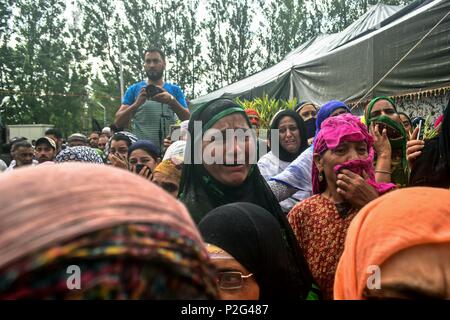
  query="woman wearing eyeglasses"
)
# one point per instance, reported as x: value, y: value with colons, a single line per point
x: 246, y: 245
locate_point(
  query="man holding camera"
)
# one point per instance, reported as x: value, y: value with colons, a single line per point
x: 151, y: 105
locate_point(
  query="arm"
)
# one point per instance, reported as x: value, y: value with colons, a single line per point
x: 414, y: 148
x: 280, y: 190
x: 167, y: 98
x: 126, y: 112
x: 383, y: 150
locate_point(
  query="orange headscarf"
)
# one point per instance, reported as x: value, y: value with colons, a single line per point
x: 399, y: 220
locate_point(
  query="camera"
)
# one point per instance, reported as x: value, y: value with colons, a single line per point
x: 152, y: 91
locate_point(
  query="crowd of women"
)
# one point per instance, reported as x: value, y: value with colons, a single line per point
x: 342, y: 207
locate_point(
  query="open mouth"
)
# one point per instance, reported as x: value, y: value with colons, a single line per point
x: 233, y: 164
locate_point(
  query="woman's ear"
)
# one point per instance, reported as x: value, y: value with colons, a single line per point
x: 318, y: 161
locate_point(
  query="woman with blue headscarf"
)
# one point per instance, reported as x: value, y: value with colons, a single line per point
x: 295, y: 180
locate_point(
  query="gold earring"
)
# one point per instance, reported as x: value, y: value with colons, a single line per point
x: 320, y: 176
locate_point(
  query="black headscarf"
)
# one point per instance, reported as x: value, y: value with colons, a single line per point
x: 432, y: 167
x: 284, y: 155
x: 201, y: 193
x: 252, y: 236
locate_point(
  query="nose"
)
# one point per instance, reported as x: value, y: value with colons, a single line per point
x: 236, y: 152
x: 352, y: 155
x: 288, y: 133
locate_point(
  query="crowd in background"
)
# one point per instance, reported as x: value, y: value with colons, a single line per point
x: 338, y: 199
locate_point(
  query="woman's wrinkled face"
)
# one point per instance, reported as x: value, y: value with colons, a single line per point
x: 227, y: 152
x: 289, y: 135
x: 420, y: 272
x: 345, y: 151
x: 234, y: 280
x: 384, y: 107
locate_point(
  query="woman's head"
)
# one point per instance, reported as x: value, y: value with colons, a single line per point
x: 341, y: 140
x: 398, y: 247
x: 381, y: 106
x: 248, y: 239
x: 79, y: 154
x: 292, y: 135
x: 119, y: 144
x: 225, y: 145
x: 143, y: 152
x: 234, y: 280
x: 406, y: 121
x: 332, y: 108
x: 167, y: 175
x: 133, y: 241
x: 306, y: 110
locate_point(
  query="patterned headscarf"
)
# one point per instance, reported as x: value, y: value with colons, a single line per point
x: 79, y: 154
x: 132, y: 241
x: 170, y: 169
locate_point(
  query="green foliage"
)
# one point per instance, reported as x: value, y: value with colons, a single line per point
x: 46, y: 74
x: 267, y: 107
x: 429, y: 132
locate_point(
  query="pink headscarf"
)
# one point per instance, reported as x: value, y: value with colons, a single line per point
x: 346, y: 128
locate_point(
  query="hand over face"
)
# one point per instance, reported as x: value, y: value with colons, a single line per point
x: 119, y: 161
x: 145, y: 172
x: 381, y: 142
x: 355, y: 189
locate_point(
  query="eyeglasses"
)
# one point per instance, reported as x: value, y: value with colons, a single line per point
x: 230, y: 280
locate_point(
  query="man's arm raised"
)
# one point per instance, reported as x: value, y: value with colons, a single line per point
x: 165, y: 97
x: 125, y: 112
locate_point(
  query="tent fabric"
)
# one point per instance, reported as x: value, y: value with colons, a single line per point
x: 347, y: 64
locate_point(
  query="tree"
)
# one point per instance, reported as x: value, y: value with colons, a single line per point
x: 231, y: 45
x: 48, y: 78
x: 282, y: 29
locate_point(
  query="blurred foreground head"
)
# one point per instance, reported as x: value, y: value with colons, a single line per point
x: 66, y: 235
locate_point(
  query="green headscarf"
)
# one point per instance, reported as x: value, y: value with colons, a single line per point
x: 399, y: 169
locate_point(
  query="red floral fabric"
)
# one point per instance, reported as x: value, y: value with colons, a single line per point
x: 321, y: 231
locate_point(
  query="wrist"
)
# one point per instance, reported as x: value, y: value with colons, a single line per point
x: 384, y: 155
x: 383, y: 172
x: 173, y: 102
